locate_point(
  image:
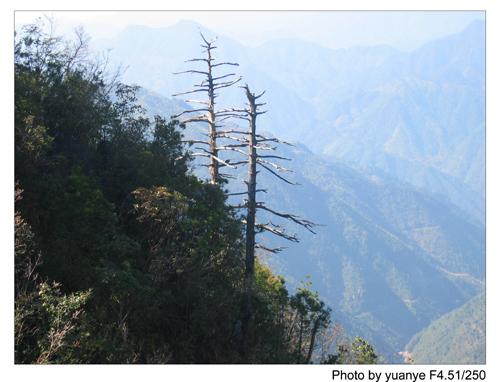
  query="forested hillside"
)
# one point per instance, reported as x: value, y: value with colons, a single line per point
x: 458, y: 337
x: 121, y: 254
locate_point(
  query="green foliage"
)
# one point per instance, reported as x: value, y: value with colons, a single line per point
x: 311, y: 315
x: 61, y: 315
x: 48, y: 324
x: 271, y: 304
x: 127, y: 257
x: 363, y: 352
x: 358, y: 352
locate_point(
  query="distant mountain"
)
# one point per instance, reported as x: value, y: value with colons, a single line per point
x: 417, y: 116
x: 156, y: 104
x: 458, y: 337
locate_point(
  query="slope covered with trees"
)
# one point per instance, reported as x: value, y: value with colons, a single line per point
x: 458, y: 337
x: 122, y: 255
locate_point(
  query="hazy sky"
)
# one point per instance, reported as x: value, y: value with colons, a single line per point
x: 405, y: 30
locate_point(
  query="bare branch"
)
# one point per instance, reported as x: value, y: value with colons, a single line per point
x: 274, y: 165
x: 221, y: 120
x: 193, y: 141
x: 277, y: 175
x: 233, y: 115
x: 238, y: 163
x: 190, y: 92
x: 227, y: 176
x: 201, y: 85
x: 223, y: 76
x: 264, y: 139
x: 258, y: 96
x: 200, y: 118
x: 307, y: 224
x: 225, y: 63
x: 206, y: 153
x: 276, y: 230
x: 231, y: 146
x: 189, y: 112
x: 200, y: 155
x: 232, y: 110
x: 199, y: 59
x: 274, y: 157
x: 196, y: 101
x: 224, y: 163
x: 236, y: 150
x: 191, y: 71
x: 271, y: 250
x: 226, y: 84
x: 208, y: 43
x: 238, y: 207
x: 243, y: 140
x: 265, y: 147
x: 232, y: 131
x: 246, y: 192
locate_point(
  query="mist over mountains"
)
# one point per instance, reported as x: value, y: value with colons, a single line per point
x: 417, y: 116
x: 390, y: 155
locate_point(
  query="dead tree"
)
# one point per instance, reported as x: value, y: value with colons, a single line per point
x: 207, y: 112
x: 256, y: 143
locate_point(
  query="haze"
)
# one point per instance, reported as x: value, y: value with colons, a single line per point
x: 336, y: 29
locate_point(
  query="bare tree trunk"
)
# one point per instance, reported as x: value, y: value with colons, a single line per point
x: 247, y: 324
x: 254, y: 142
x: 212, y: 130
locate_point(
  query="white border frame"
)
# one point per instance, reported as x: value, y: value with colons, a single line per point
x: 237, y: 372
